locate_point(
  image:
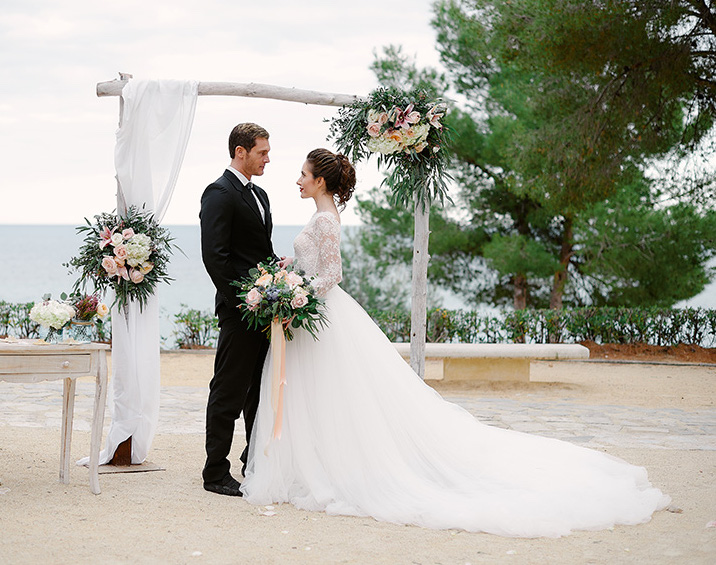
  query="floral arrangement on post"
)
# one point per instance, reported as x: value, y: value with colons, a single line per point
x: 271, y: 293
x: 128, y: 254
x: 405, y: 130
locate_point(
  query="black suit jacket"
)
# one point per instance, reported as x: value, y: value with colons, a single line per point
x: 233, y: 236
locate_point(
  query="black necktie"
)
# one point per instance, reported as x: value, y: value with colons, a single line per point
x: 262, y: 208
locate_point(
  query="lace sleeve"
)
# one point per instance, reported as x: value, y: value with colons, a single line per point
x: 329, y: 270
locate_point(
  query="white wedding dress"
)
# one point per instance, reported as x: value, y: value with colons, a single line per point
x: 363, y: 435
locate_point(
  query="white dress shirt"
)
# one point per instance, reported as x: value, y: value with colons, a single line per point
x: 245, y: 182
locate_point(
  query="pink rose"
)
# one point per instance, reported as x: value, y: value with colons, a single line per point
x: 109, y: 265
x: 135, y: 276
x: 374, y: 129
x: 253, y: 297
x: 120, y: 252
x: 299, y: 301
x: 128, y: 233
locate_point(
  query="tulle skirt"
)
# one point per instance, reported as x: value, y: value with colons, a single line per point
x: 362, y: 435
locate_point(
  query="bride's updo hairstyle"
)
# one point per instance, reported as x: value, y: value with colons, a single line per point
x: 336, y: 170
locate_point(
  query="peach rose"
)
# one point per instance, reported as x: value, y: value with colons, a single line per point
x: 135, y: 276
x: 394, y: 135
x: 109, y: 265
x: 145, y: 267
x: 128, y: 233
x: 102, y: 310
x: 264, y: 280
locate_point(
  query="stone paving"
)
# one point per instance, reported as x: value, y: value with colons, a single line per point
x: 182, y: 412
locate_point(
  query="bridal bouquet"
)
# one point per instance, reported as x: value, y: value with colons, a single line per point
x: 271, y: 293
x: 128, y: 254
x: 405, y: 130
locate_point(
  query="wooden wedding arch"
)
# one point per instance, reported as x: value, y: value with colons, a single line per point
x: 421, y: 233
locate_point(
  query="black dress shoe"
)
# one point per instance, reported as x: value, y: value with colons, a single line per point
x: 228, y: 486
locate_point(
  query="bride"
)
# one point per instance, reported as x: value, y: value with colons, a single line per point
x: 363, y: 435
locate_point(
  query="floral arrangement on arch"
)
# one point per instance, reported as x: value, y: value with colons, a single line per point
x: 405, y: 130
x: 128, y: 254
x: 272, y: 292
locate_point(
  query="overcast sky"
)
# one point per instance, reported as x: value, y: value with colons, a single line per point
x: 57, y: 137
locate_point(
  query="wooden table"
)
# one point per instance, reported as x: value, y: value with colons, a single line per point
x: 28, y: 361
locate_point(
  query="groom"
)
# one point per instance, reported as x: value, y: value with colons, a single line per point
x: 235, y: 236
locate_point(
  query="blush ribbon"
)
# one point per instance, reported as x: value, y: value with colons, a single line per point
x: 278, y: 377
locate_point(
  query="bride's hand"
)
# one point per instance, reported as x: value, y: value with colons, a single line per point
x: 285, y: 262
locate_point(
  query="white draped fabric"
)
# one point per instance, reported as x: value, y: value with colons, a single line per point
x: 152, y: 138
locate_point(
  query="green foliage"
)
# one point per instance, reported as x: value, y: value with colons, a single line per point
x: 15, y: 321
x: 374, y: 284
x: 516, y: 253
x: 653, y: 325
x: 195, y: 329
x: 633, y: 251
x: 566, y: 105
x: 656, y: 326
x: 592, y: 86
x: 4, y: 318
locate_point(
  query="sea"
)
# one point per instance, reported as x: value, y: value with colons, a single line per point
x: 32, y: 258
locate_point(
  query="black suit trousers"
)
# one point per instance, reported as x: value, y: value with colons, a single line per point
x: 235, y: 388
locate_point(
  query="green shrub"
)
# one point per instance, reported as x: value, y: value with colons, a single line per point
x: 656, y: 326
x: 195, y: 329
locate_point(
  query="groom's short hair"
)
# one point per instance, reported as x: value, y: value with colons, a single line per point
x: 245, y: 135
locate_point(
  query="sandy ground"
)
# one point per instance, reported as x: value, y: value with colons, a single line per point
x: 166, y: 517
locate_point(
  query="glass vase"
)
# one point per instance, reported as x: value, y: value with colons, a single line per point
x: 81, y: 331
x: 54, y: 335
